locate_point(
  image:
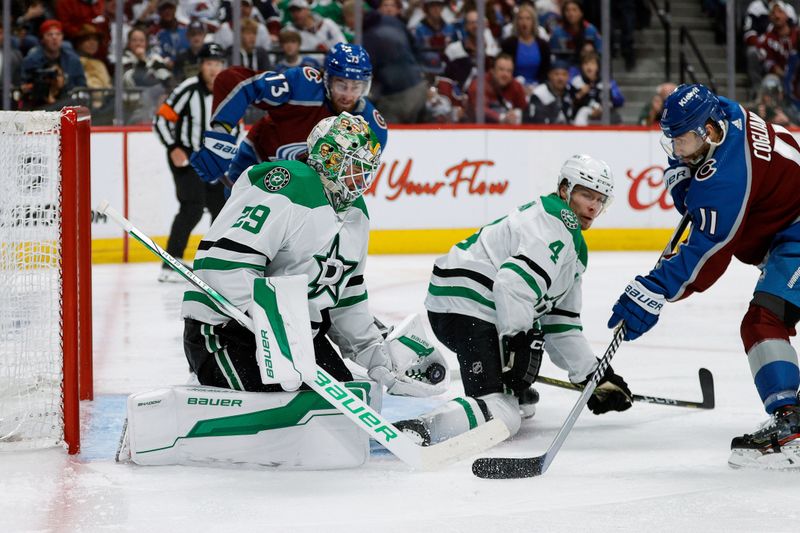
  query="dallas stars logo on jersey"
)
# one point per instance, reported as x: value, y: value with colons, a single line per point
x: 333, y: 272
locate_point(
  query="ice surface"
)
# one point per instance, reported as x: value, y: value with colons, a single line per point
x: 652, y: 468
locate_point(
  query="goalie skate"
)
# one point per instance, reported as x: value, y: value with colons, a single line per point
x: 124, y: 447
x: 774, y: 446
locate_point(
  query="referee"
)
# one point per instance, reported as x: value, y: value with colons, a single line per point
x: 179, y: 123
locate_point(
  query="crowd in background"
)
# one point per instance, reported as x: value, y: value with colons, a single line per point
x: 542, y: 57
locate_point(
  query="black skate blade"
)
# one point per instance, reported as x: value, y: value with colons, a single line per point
x: 507, y: 467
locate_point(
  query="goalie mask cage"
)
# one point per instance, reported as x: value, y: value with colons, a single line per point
x: 45, y: 277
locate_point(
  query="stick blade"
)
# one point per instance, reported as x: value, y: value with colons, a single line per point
x: 507, y: 467
x: 707, y: 388
x: 466, y: 445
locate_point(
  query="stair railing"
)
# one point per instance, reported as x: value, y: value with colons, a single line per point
x: 663, y: 14
x: 686, y: 42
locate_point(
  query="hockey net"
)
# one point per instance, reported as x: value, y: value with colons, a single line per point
x: 45, y: 277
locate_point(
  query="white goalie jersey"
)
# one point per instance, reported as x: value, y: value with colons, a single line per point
x: 520, y: 269
x: 278, y: 222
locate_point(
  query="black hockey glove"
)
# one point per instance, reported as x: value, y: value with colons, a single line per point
x: 522, y: 358
x: 611, y: 394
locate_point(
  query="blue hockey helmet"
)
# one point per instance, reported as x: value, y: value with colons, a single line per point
x: 349, y: 61
x: 688, y: 108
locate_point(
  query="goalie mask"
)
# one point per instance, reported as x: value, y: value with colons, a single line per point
x: 589, y: 172
x: 345, y: 153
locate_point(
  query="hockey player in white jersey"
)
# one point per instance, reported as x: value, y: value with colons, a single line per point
x: 287, y: 218
x: 288, y: 249
x: 508, y: 292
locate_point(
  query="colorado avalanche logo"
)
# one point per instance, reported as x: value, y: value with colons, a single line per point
x: 706, y: 171
x: 378, y: 119
x: 312, y: 75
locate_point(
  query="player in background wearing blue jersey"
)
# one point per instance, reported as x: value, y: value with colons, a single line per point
x: 738, y: 178
x: 296, y: 100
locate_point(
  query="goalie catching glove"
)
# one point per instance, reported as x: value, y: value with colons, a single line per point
x: 611, y: 394
x: 406, y: 362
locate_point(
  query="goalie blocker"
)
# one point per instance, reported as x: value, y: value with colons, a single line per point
x: 299, y: 430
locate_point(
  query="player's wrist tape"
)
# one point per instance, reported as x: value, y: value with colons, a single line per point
x: 675, y: 175
x: 644, y: 297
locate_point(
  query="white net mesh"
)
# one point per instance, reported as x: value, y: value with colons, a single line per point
x: 30, y: 281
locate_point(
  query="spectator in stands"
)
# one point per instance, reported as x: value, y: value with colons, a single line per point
x: 549, y: 14
x: 651, y: 111
x: 143, y: 13
x: 432, y: 35
x: 251, y: 55
x: 504, y: 96
x: 170, y: 34
x: 316, y: 33
x: 771, y: 105
x: 348, y: 25
x: 445, y: 102
x: 39, y: 79
x: 530, y: 52
x: 109, y: 17
x: 499, y: 13
x: 779, y: 41
x: 290, y: 45
x: 224, y: 35
x: 28, y: 23
x: 14, y: 60
x: 460, y: 55
x: 398, y: 87
x: 623, y: 20
x: 73, y: 14
x: 87, y: 44
x: 187, y: 64
x: 550, y: 102
x: 568, y: 37
x: 146, y: 76
x: 586, y: 89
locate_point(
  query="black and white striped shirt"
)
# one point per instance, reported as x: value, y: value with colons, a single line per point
x: 185, y: 115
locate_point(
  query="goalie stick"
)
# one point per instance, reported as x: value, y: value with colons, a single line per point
x: 519, y: 467
x: 706, y: 389
x: 340, y: 397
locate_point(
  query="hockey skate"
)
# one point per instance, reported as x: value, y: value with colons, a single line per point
x: 527, y: 402
x: 773, y: 446
x: 124, y: 447
x: 168, y: 275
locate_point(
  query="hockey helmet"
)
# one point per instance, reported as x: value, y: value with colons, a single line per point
x: 585, y: 170
x: 345, y: 153
x: 349, y: 61
x: 211, y: 51
x: 687, y: 109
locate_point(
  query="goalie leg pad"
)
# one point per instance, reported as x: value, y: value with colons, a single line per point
x: 206, y: 425
x: 461, y: 414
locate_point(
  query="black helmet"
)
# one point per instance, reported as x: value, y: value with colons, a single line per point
x: 211, y: 51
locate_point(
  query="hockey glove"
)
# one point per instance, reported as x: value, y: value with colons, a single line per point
x: 611, y: 394
x: 212, y: 160
x: 677, y: 181
x: 639, y: 307
x: 522, y: 358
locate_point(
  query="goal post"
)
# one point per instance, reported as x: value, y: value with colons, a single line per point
x: 45, y: 277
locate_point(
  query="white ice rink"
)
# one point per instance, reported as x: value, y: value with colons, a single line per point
x: 652, y: 468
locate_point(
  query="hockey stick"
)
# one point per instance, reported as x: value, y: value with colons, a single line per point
x: 519, y: 467
x: 340, y: 397
x: 706, y: 388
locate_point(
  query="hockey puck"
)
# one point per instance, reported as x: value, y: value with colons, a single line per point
x: 435, y: 373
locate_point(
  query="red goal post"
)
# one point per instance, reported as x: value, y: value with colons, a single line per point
x: 45, y: 277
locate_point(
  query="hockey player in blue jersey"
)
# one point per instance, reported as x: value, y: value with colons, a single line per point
x: 738, y: 178
x: 296, y: 100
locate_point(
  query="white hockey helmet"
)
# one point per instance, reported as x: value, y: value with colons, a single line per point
x: 585, y: 170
